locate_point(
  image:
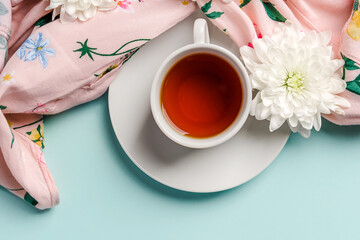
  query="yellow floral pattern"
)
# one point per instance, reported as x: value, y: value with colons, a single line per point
x: 37, y: 135
x: 185, y: 2
x: 7, y: 78
x: 353, y: 30
x: 109, y: 69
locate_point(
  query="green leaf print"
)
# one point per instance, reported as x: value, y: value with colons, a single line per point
x: 214, y: 15
x: 211, y: 15
x: 244, y: 3
x: 3, y: 9
x: 13, y: 138
x: 350, y: 64
x: 206, y: 7
x: 86, y: 50
x: 30, y: 199
x: 272, y: 12
x: 45, y: 20
x: 356, y: 5
x: 354, y: 85
x: 2, y: 107
x: 37, y: 135
x: 3, y: 43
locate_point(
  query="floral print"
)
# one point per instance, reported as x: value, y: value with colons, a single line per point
x: 351, y: 65
x: 125, y: 5
x: 39, y: 108
x: 38, y: 48
x: 37, y: 135
x: 30, y: 199
x: 3, y: 9
x: 214, y: 14
x: 12, y: 138
x: 185, y: 2
x: 258, y: 34
x: 89, y: 51
x: 7, y: 78
x: 3, y: 42
x: 45, y: 20
x: 354, y: 85
x: 243, y: 3
x: 353, y: 30
x: 109, y: 69
x: 270, y: 10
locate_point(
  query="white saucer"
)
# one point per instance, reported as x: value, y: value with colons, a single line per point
x: 208, y: 170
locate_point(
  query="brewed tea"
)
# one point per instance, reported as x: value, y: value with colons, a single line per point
x: 201, y: 95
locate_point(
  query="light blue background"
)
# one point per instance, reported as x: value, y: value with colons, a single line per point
x: 311, y: 191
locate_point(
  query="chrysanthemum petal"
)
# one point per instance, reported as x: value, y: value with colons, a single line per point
x: 293, y: 121
x: 296, y: 77
x: 249, y: 57
x: 254, y: 102
x: 317, y: 121
x: 65, y: 17
x: 262, y: 112
x: 276, y: 122
x: 83, y: 10
x: 261, y: 48
x: 302, y: 131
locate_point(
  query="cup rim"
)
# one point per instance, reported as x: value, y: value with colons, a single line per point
x: 155, y: 98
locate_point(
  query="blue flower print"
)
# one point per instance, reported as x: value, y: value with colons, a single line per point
x: 37, y: 48
x: 21, y: 52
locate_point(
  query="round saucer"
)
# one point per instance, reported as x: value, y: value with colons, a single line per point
x: 196, y: 170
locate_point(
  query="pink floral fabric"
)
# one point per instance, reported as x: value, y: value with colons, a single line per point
x: 52, y: 67
x: 5, y: 21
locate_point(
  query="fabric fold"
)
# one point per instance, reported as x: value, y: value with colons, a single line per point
x: 5, y: 32
x: 59, y: 66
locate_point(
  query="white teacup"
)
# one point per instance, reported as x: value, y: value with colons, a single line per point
x: 201, y: 45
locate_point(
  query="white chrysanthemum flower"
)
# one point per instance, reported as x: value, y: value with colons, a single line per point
x: 296, y: 77
x: 83, y: 10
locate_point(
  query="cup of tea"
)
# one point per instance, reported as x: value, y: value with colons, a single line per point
x: 201, y: 94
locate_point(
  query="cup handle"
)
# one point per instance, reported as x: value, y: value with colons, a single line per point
x: 201, y: 32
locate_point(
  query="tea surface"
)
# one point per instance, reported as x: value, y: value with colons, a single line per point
x: 201, y: 95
